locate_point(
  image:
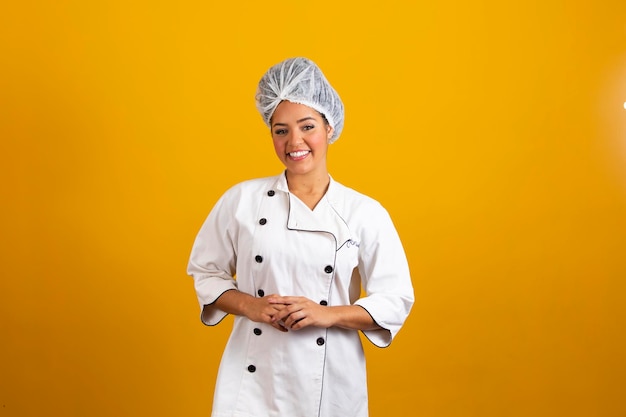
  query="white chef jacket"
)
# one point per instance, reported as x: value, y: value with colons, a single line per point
x: 275, y: 244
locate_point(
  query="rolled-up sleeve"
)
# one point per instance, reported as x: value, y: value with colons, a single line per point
x: 385, y: 278
x: 213, y: 259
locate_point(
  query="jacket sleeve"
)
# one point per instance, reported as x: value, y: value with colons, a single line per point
x: 385, y: 277
x: 213, y: 259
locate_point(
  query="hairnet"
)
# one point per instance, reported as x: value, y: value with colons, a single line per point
x: 300, y: 81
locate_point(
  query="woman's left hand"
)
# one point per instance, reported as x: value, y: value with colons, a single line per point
x: 300, y: 312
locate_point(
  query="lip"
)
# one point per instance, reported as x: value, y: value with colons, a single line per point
x: 298, y: 155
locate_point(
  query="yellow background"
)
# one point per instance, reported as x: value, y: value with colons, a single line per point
x: 493, y: 132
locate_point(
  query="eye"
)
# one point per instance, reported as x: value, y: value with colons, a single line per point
x: 280, y: 131
x: 308, y: 127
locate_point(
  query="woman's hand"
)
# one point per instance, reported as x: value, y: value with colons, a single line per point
x: 293, y: 312
x: 259, y: 310
x: 300, y: 312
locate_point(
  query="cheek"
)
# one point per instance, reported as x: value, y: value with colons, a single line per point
x: 322, y: 141
x: 278, y: 147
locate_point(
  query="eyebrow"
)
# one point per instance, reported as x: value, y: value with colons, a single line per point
x: 297, y: 121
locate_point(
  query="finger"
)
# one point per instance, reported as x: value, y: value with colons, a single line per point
x: 280, y: 315
x: 283, y: 312
x: 279, y: 327
x: 300, y: 324
x: 283, y: 299
x: 277, y: 307
x: 294, y: 318
x: 276, y: 324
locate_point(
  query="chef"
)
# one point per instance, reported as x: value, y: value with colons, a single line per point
x: 303, y: 263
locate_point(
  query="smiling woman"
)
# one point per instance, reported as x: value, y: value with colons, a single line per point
x: 303, y: 248
x: 301, y: 137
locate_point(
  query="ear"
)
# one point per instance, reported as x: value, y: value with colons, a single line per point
x: 330, y: 132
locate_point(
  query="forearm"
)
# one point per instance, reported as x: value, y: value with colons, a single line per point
x: 352, y: 317
x: 234, y: 302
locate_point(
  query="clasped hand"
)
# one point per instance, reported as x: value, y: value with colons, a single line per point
x: 290, y: 312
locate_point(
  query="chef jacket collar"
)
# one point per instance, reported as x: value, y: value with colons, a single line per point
x: 324, y: 218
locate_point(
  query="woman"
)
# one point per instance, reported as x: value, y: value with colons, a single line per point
x: 302, y: 247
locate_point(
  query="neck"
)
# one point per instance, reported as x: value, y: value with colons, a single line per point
x: 309, y: 189
x: 308, y: 184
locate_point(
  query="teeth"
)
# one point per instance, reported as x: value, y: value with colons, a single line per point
x: 298, y: 154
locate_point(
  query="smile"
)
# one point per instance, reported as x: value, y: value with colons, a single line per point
x: 298, y: 154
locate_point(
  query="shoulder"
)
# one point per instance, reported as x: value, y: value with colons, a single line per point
x: 250, y: 188
x: 241, y: 199
x: 348, y: 200
x: 352, y: 196
x: 366, y: 217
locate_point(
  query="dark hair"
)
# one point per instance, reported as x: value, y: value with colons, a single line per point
x: 320, y: 113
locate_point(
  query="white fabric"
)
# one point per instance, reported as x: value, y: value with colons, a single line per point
x: 296, y: 374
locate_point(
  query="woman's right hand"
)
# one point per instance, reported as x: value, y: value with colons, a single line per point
x: 259, y: 310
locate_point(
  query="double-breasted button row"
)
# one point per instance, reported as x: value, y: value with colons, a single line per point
x: 320, y: 340
x: 328, y: 269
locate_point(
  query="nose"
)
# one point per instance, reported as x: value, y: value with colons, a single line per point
x: 294, y: 138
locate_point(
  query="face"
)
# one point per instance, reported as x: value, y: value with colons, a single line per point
x: 300, y: 136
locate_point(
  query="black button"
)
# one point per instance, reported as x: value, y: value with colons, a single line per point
x: 271, y: 193
x: 320, y: 341
x: 259, y: 259
x: 257, y: 331
x: 324, y: 302
x: 262, y: 221
x: 328, y: 269
x: 261, y: 293
x: 251, y: 368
